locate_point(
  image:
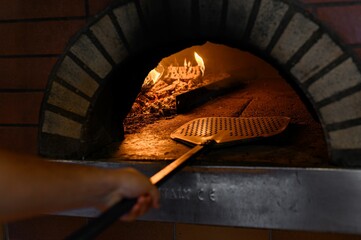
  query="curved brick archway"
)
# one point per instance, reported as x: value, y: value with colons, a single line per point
x: 303, y: 49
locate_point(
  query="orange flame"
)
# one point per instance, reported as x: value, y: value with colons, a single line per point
x: 152, y: 78
x: 200, y: 62
x: 154, y: 75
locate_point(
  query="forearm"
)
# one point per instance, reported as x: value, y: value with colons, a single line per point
x: 29, y: 186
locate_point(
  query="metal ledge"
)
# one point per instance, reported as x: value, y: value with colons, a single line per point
x: 324, y: 200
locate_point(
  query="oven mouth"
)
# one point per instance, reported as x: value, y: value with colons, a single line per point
x: 97, y: 78
x: 81, y: 110
x: 244, y: 91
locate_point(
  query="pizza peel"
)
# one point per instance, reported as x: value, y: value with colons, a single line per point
x: 203, y: 133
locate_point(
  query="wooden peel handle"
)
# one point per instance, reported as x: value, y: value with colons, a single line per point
x: 170, y: 168
x: 102, y: 222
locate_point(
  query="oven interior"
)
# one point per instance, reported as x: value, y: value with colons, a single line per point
x: 247, y: 86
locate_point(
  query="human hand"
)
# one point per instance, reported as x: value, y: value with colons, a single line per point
x: 132, y: 184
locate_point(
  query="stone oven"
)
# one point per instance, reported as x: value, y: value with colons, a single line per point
x: 98, y: 76
x: 258, y: 190
x: 122, y: 44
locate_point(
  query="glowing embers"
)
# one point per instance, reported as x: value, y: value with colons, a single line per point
x: 187, y: 71
x: 157, y: 98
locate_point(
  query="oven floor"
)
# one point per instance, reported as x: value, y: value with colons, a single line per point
x: 301, y: 145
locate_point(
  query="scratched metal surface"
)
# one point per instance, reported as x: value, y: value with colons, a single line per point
x: 326, y: 200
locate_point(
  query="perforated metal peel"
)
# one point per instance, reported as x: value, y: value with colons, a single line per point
x: 208, y: 131
x: 229, y: 129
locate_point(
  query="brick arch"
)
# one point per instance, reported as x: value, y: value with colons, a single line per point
x: 313, y: 58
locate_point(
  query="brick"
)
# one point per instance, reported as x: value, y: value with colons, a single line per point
x: 344, y: 109
x: 87, y: 52
x: 96, y: 6
x: 107, y: 35
x: 236, y: 24
x: 342, y: 77
x: 319, y: 56
x: 210, y: 17
x: 344, y: 20
x: 151, y: 11
x: 297, y: 235
x: 128, y: 19
x: 131, y: 231
x: 269, y: 16
x: 25, y: 73
x: 358, y: 53
x: 325, y: 1
x: 349, y: 138
x: 2, y: 232
x: 20, y: 108
x: 48, y: 37
x: 155, y: 19
x: 74, y: 75
x: 45, y: 228
x: 66, y: 99
x: 181, y: 17
x: 190, y: 232
x: 60, y: 125
x: 297, y: 32
x: 19, y: 9
x: 19, y: 139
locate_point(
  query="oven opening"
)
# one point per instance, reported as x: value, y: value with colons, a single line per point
x: 96, y: 81
x: 132, y: 76
x: 213, y: 80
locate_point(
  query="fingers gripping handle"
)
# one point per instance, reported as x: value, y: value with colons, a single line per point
x: 99, y: 224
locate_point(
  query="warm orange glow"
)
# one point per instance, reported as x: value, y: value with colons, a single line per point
x: 152, y: 78
x: 154, y: 75
x: 187, y: 71
x: 200, y: 62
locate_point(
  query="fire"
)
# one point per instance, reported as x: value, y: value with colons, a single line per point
x: 162, y: 86
x: 185, y: 72
x: 200, y: 62
x: 154, y: 75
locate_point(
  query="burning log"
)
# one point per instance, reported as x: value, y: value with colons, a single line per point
x: 159, y: 102
x: 158, y: 91
x: 161, y: 98
x: 194, y: 98
x: 176, y: 89
x: 183, y: 73
x: 165, y: 100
